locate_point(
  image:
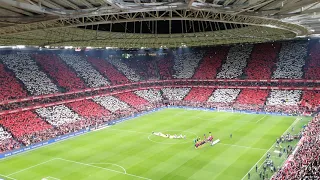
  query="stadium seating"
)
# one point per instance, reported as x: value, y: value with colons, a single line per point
x: 58, y: 115
x: 224, y: 95
x: 88, y: 109
x: 84, y: 70
x: 252, y: 96
x: 186, y: 63
x: 284, y: 97
x: 291, y: 61
x: 165, y: 67
x: 111, y: 103
x: 211, y: 63
x: 150, y: 95
x: 4, y: 134
x: 145, y: 68
x: 284, y: 101
x: 175, y: 94
x: 122, y: 67
x: 199, y: 94
x: 313, y: 68
x: 8, y: 145
x: 132, y: 99
x: 311, y: 99
x: 107, y: 69
x: 26, y: 69
x: 59, y: 71
x: 23, y: 123
x: 236, y: 62
x: 10, y: 88
x: 263, y: 61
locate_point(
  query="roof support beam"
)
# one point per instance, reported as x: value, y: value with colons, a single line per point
x: 83, y: 2
x: 23, y: 5
x: 189, y: 3
x: 112, y: 3
x: 7, y: 12
x: 258, y: 4
x: 81, y: 38
x: 297, y: 5
x: 227, y: 2
x: 67, y: 3
x: 49, y: 4
x: 274, y: 4
x: 154, y: 16
x: 11, y: 8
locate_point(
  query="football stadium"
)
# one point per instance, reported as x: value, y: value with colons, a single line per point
x: 159, y: 89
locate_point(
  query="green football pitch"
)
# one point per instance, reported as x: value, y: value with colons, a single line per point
x: 129, y: 150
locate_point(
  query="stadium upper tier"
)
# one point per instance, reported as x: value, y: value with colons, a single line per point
x: 42, y: 92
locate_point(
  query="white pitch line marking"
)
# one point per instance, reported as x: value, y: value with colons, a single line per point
x: 52, y: 178
x: 261, y: 119
x: 124, y: 170
x: 30, y: 167
x: 268, y: 151
x: 248, y: 147
x: 132, y: 175
x: 7, y: 177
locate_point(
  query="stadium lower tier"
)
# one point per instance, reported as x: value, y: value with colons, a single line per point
x: 32, y: 124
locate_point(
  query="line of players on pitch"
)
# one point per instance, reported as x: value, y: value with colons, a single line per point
x: 198, y: 142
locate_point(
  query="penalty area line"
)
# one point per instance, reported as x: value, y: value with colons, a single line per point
x: 30, y: 167
x: 90, y: 165
x: 124, y: 170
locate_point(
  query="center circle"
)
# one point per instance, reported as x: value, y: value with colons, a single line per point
x: 163, y: 140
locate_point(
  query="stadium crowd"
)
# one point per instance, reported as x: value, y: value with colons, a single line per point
x: 123, y: 68
x: 84, y: 70
x: 291, y: 61
x: 313, y: 68
x: 286, y: 101
x: 58, y: 71
x: 263, y: 61
x: 305, y: 161
x: 107, y: 69
x: 224, y: 95
x: 151, y: 95
x: 10, y: 87
x: 185, y: 64
x: 6, y: 141
x: 236, y: 62
x: 27, y: 71
x: 165, y: 67
x: 175, y: 94
x: 211, y: 63
x: 24, y: 74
